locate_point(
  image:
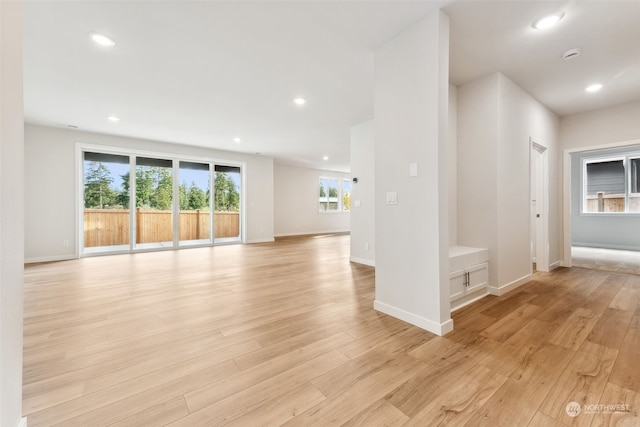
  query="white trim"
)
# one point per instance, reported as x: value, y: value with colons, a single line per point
x: 369, y: 262
x: 466, y: 303
x: 34, y: 260
x: 556, y: 265
x: 421, y: 322
x: 310, y: 233
x: 493, y: 290
x: 23, y: 422
x: 267, y: 240
x: 566, y: 207
x: 79, y: 203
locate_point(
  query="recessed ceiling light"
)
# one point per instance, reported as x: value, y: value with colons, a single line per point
x: 237, y: 140
x: 547, y: 21
x: 300, y: 101
x: 102, y: 40
x: 113, y: 119
x: 594, y: 87
x: 325, y: 158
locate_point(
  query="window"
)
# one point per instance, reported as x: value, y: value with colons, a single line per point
x: 335, y: 195
x: 612, y: 185
x: 346, y: 195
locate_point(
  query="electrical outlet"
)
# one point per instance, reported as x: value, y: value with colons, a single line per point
x: 65, y: 243
x: 366, y: 246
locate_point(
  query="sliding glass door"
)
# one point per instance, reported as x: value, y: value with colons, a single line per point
x: 105, y: 213
x: 154, y: 203
x: 227, y: 196
x: 132, y: 202
x: 195, y: 210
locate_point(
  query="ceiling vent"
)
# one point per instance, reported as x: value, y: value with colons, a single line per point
x: 571, y: 53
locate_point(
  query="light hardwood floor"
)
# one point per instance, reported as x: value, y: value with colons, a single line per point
x: 285, y: 334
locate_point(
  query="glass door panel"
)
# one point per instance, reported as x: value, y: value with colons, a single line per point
x: 154, y: 199
x: 194, y: 223
x: 106, y: 203
x: 227, y: 188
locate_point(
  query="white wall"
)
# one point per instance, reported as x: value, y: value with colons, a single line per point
x: 363, y: 233
x: 601, y: 127
x: 296, y: 202
x: 452, y: 164
x: 521, y: 118
x: 478, y: 167
x: 11, y: 213
x: 411, y: 119
x: 496, y: 120
x: 51, y: 186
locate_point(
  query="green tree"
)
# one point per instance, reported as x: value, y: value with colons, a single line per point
x: 122, y: 197
x: 333, y: 192
x: 154, y: 188
x: 183, y: 197
x: 163, y: 195
x: 226, y: 196
x: 97, y: 190
x: 322, y: 192
x: 197, y: 198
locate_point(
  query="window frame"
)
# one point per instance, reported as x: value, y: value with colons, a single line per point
x: 626, y: 159
x: 340, y: 198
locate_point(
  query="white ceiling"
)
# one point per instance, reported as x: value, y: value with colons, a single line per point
x: 204, y: 72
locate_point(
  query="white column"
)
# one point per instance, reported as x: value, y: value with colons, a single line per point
x: 411, y: 120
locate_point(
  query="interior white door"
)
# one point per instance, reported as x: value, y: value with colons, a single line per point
x: 539, y: 175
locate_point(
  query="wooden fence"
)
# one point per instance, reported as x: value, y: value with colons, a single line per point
x: 109, y: 227
x: 612, y: 203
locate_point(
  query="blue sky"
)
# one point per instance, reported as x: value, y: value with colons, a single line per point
x: 187, y: 176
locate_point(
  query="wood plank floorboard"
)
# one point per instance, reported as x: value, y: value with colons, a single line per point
x: 284, y: 333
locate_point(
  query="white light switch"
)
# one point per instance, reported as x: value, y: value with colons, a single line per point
x: 413, y: 169
x: 392, y: 198
x: 356, y: 203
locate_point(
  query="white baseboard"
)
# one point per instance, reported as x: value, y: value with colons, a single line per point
x: 267, y: 240
x: 49, y: 258
x: 23, y: 422
x: 466, y: 303
x: 369, y: 262
x: 420, y: 322
x: 493, y: 290
x: 311, y: 233
x: 556, y: 265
